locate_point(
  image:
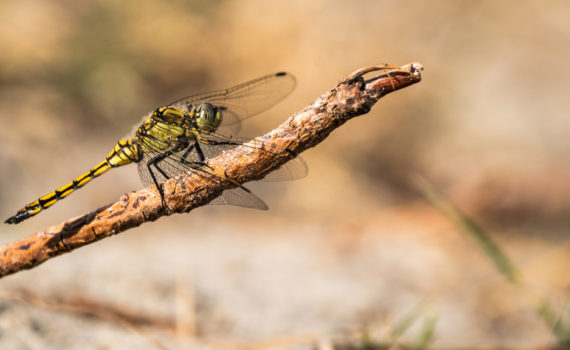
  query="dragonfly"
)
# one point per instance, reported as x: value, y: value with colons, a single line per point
x: 180, y: 137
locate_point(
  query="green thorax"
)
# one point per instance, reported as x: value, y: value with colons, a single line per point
x: 164, y: 130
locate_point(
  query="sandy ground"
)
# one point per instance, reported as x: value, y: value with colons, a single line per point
x: 274, y: 281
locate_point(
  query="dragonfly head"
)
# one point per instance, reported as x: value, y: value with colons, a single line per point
x: 208, y: 117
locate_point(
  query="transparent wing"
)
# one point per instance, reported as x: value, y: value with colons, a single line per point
x: 244, y: 100
x: 176, y: 161
x: 175, y: 165
x: 240, y: 197
x: 294, y: 169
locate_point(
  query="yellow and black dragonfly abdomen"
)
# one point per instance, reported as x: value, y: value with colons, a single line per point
x: 124, y: 152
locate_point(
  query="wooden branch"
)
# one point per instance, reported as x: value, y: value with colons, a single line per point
x: 353, y: 96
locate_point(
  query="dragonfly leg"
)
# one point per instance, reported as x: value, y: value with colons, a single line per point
x: 291, y: 152
x: 200, y: 153
x: 154, y: 161
x: 212, y: 142
x: 185, y: 155
x: 162, y: 172
x: 201, y: 156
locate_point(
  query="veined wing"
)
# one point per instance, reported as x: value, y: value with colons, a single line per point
x: 244, y: 100
x: 175, y: 165
x: 215, y: 143
x: 181, y: 161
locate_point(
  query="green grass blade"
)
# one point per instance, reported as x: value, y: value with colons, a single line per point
x: 427, y: 331
x: 407, y: 321
x: 468, y: 227
x: 560, y: 325
x: 562, y: 328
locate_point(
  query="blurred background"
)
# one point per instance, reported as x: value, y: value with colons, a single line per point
x: 349, y: 256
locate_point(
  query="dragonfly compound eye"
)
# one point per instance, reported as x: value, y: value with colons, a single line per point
x: 209, y: 118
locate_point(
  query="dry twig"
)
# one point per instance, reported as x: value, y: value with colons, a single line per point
x: 353, y: 96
